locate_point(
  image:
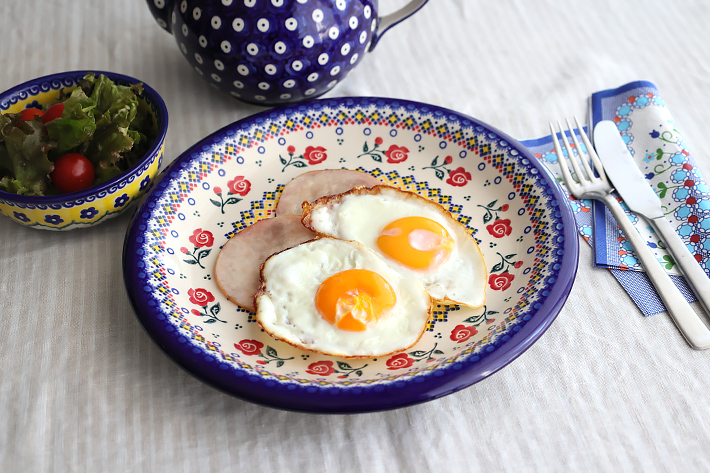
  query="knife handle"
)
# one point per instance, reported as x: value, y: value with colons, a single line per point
x: 688, y: 322
x: 694, y: 274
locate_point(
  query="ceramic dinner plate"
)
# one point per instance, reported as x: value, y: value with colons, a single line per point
x: 233, y: 178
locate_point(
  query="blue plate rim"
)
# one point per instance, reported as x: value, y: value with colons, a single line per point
x: 361, y: 399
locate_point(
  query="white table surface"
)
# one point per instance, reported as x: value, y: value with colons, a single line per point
x: 83, y: 388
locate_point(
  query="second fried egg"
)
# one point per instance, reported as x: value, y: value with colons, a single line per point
x: 416, y: 236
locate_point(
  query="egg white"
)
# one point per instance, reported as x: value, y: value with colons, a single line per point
x: 285, y: 303
x: 361, y: 214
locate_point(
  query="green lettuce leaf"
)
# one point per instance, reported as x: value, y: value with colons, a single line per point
x: 109, y: 141
x: 116, y: 109
x: 5, y: 161
x: 27, y: 148
x: 105, y: 172
x: 110, y: 97
x: 77, y: 123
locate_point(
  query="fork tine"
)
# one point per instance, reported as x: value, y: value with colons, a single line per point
x: 592, y: 154
x: 570, y: 154
x: 582, y: 157
x: 562, y: 161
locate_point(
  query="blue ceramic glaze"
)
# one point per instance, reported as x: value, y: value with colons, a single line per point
x: 275, y: 51
x: 233, y: 178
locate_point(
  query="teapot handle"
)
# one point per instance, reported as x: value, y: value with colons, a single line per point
x: 388, y: 21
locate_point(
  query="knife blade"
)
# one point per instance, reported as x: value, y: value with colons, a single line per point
x: 630, y: 183
x: 621, y: 168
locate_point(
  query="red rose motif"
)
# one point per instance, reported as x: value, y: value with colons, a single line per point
x: 239, y: 185
x: 461, y: 333
x: 201, y: 238
x: 399, y: 361
x: 315, y: 155
x: 500, y: 282
x: 321, y: 368
x: 396, y: 154
x: 249, y: 347
x: 458, y: 177
x: 200, y: 297
x: 500, y: 228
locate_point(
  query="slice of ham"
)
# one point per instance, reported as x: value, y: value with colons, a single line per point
x: 311, y: 185
x: 238, y: 263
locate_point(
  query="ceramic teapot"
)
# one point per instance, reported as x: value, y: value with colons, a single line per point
x: 271, y: 52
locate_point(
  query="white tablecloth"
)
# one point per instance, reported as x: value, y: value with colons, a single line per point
x: 83, y: 388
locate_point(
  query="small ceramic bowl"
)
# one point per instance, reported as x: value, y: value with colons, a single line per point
x: 97, y: 203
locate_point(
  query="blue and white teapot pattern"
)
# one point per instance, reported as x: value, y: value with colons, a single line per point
x: 271, y: 52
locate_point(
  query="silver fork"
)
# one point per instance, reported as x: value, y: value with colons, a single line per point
x: 586, y: 184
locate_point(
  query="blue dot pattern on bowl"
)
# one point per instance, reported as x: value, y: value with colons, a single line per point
x: 273, y: 51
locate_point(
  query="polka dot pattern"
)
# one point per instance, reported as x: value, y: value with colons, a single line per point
x: 272, y: 51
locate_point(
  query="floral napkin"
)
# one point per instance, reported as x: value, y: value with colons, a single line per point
x: 654, y: 140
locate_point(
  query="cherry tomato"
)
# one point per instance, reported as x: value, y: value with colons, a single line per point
x: 72, y: 173
x: 53, y: 112
x: 29, y: 113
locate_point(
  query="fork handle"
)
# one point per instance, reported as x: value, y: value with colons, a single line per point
x: 694, y: 274
x: 688, y: 322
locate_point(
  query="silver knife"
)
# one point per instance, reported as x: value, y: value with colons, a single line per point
x: 638, y: 195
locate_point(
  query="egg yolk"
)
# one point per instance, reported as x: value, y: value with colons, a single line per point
x: 416, y: 242
x: 353, y: 298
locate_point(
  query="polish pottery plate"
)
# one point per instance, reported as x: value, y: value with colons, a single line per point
x: 233, y: 178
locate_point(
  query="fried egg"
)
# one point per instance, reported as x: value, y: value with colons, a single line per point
x: 416, y: 236
x: 339, y: 298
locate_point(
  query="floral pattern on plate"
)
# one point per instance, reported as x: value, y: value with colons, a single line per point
x: 234, y: 178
